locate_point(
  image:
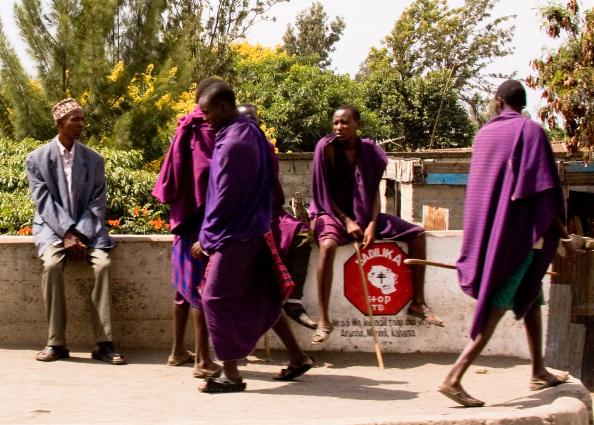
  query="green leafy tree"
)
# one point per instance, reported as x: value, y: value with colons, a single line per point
x: 129, y: 62
x: 24, y: 108
x: 296, y: 99
x: 444, y: 51
x: 313, y: 37
x: 565, y: 76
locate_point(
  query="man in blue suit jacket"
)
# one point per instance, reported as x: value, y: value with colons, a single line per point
x: 67, y: 182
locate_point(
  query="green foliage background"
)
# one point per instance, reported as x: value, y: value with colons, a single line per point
x: 134, y: 65
x: 129, y: 200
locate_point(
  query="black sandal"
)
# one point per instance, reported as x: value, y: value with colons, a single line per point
x: 292, y: 371
x: 106, y: 353
x: 221, y: 385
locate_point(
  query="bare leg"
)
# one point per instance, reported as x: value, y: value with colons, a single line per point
x: 452, y: 383
x: 299, y: 362
x: 533, y: 325
x: 203, y: 360
x: 231, y: 372
x: 284, y: 332
x: 180, y: 319
x: 418, y: 249
x: 324, y: 275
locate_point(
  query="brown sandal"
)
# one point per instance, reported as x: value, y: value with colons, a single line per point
x: 53, y: 353
x: 427, y: 315
x: 321, y: 334
x: 174, y: 360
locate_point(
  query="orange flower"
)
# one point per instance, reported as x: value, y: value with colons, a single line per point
x: 114, y: 223
x: 135, y: 211
x: 145, y: 212
x: 157, y: 224
x: 25, y: 231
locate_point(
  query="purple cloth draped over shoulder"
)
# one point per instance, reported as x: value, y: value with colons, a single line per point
x: 512, y: 200
x: 238, y: 200
x: 183, y: 177
x: 241, y: 296
x: 284, y: 226
x: 369, y: 170
x: 182, y: 184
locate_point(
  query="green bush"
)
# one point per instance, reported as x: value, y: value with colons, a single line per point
x: 129, y: 181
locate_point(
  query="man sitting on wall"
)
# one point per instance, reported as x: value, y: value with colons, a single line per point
x: 67, y: 183
x: 347, y: 171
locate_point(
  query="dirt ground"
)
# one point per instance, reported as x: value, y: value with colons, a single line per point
x: 343, y: 388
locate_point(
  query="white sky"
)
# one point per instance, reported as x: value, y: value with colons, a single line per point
x: 369, y: 21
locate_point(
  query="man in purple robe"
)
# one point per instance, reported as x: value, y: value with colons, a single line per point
x: 347, y: 171
x: 241, y: 296
x: 292, y: 236
x: 182, y: 184
x: 513, y: 218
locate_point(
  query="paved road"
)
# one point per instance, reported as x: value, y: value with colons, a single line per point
x: 343, y: 389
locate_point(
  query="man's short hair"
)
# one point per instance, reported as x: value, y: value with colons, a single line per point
x: 204, y: 84
x: 512, y: 93
x: 219, y: 91
x: 353, y: 110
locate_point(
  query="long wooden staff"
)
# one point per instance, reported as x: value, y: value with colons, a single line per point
x: 378, y: 351
x: 416, y: 261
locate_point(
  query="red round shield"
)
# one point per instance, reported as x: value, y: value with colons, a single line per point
x: 388, y: 279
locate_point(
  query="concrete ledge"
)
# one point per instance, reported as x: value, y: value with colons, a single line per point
x: 142, y: 300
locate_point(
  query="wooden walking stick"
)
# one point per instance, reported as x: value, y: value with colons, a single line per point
x: 378, y: 351
x: 419, y: 262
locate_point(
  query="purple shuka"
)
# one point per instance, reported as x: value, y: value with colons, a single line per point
x: 241, y: 297
x: 368, y: 173
x: 182, y: 184
x: 183, y: 177
x: 512, y: 200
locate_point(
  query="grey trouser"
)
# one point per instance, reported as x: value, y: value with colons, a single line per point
x: 52, y: 287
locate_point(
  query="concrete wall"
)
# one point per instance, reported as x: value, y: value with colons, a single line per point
x: 142, y: 302
x: 414, y: 197
x: 397, y: 192
x: 295, y: 174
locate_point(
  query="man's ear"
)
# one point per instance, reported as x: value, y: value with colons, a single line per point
x: 499, y: 104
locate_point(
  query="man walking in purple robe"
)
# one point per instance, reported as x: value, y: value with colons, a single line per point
x: 347, y: 171
x: 241, y: 294
x: 513, y: 219
x: 182, y: 184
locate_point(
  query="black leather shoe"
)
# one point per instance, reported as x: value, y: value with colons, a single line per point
x: 297, y: 313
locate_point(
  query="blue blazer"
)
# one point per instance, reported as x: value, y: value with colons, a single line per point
x: 49, y: 190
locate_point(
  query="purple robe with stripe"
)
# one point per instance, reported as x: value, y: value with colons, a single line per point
x: 241, y: 298
x: 368, y: 173
x: 182, y: 184
x: 513, y: 198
